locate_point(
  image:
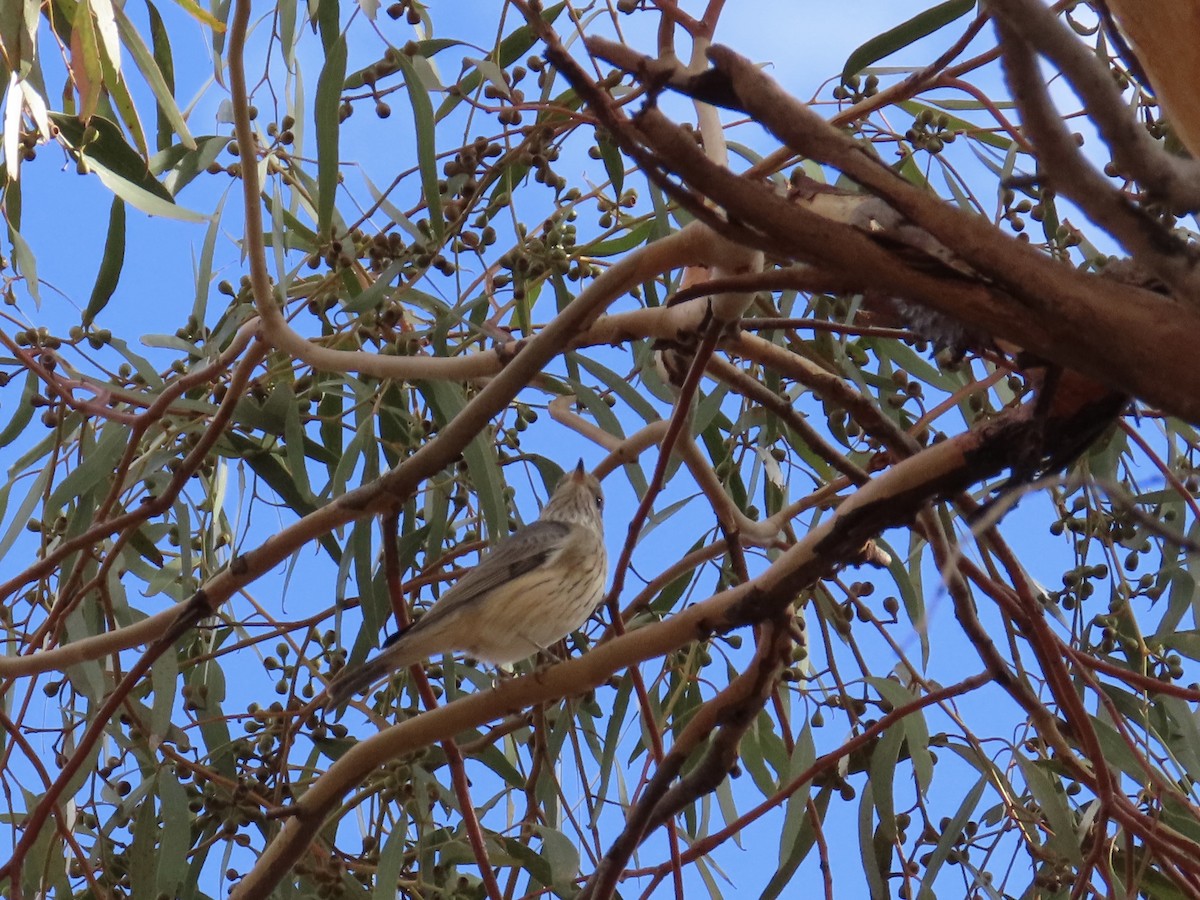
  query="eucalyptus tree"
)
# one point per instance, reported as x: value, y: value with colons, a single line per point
x: 891, y: 385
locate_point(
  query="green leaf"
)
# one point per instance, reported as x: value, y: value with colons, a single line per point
x: 110, y: 263
x: 286, y: 29
x: 1061, y: 836
x: 140, y: 364
x: 325, y: 111
x: 46, y: 853
x: 594, y: 404
x: 182, y: 165
x: 26, y: 265
x: 214, y: 727
x: 326, y: 16
x: 205, y: 265
x: 754, y: 760
x: 794, y: 852
x: 446, y: 400
x: 148, y: 64
x: 86, y: 69
x: 920, y: 25
x: 614, y: 163
x: 795, y: 815
x: 916, y: 732
x: 612, y: 740
x: 1182, y: 737
x: 145, y: 547
x: 120, y: 100
x: 164, y: 61
x: 984, y: 135
x: 905, y: 569
x: 492, y: 72
x: 105, y: 148
x: 529, y: 860
x: 148, y: 202
x: 501, y: 766
x: 293, y: 444
x: 300, y: 237
x: 381, y: 68
x: 728, y: 806
x: 171, y: 342
x: 1117, y: 752
x: 510, y: 50
x: 380, y: 289
x: 882, y: 771
x: 426, y: 135
x: 562, y: 857
x: 874, y: 867
x: 164, y: 674
x: 950, y: 835
x: 23, y: 413
x: 634, y: 237
x: 94, y: 467
x: 270, y: 468
x: 391, y: 860
x: 1186, y: 642
x: 622, y: 388
x: 175, y: 837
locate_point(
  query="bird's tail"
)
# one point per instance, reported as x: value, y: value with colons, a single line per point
x: 350, y: 681
x: 399, y: 652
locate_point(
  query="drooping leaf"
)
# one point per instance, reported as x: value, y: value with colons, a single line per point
x: 423, y: 120
x: 326, y: 113
x: 100, y: 141
x: 950, y: 834
x: 446, y: 400
x: 156, y: 67
x: 86, y: 70
x: 111, y: 263
x: 23, y: 412
x: 182, y: 164
x: 149, y: 202
x: 907, y: 32
x: 614, y: 163
x: 26, y: 264
x: 1061, y: 836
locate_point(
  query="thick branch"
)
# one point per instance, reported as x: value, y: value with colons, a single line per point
x: 1080, y: 321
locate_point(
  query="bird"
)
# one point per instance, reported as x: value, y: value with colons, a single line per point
x: 532, y: 589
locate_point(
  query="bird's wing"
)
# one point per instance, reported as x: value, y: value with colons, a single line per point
x: 513, y: 557
x: 517, y: 554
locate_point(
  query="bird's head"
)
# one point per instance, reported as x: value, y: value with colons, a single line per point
x: 578, y: 499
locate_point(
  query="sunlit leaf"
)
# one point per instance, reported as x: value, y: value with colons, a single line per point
x: 205, y: 18
x: 148, y: 202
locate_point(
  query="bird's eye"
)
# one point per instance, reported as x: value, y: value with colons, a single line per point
x: 599, y: 501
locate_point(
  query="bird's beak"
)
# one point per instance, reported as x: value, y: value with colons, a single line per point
x: 580, y: 472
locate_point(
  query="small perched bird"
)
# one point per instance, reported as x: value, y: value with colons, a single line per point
x: 533, y: 588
